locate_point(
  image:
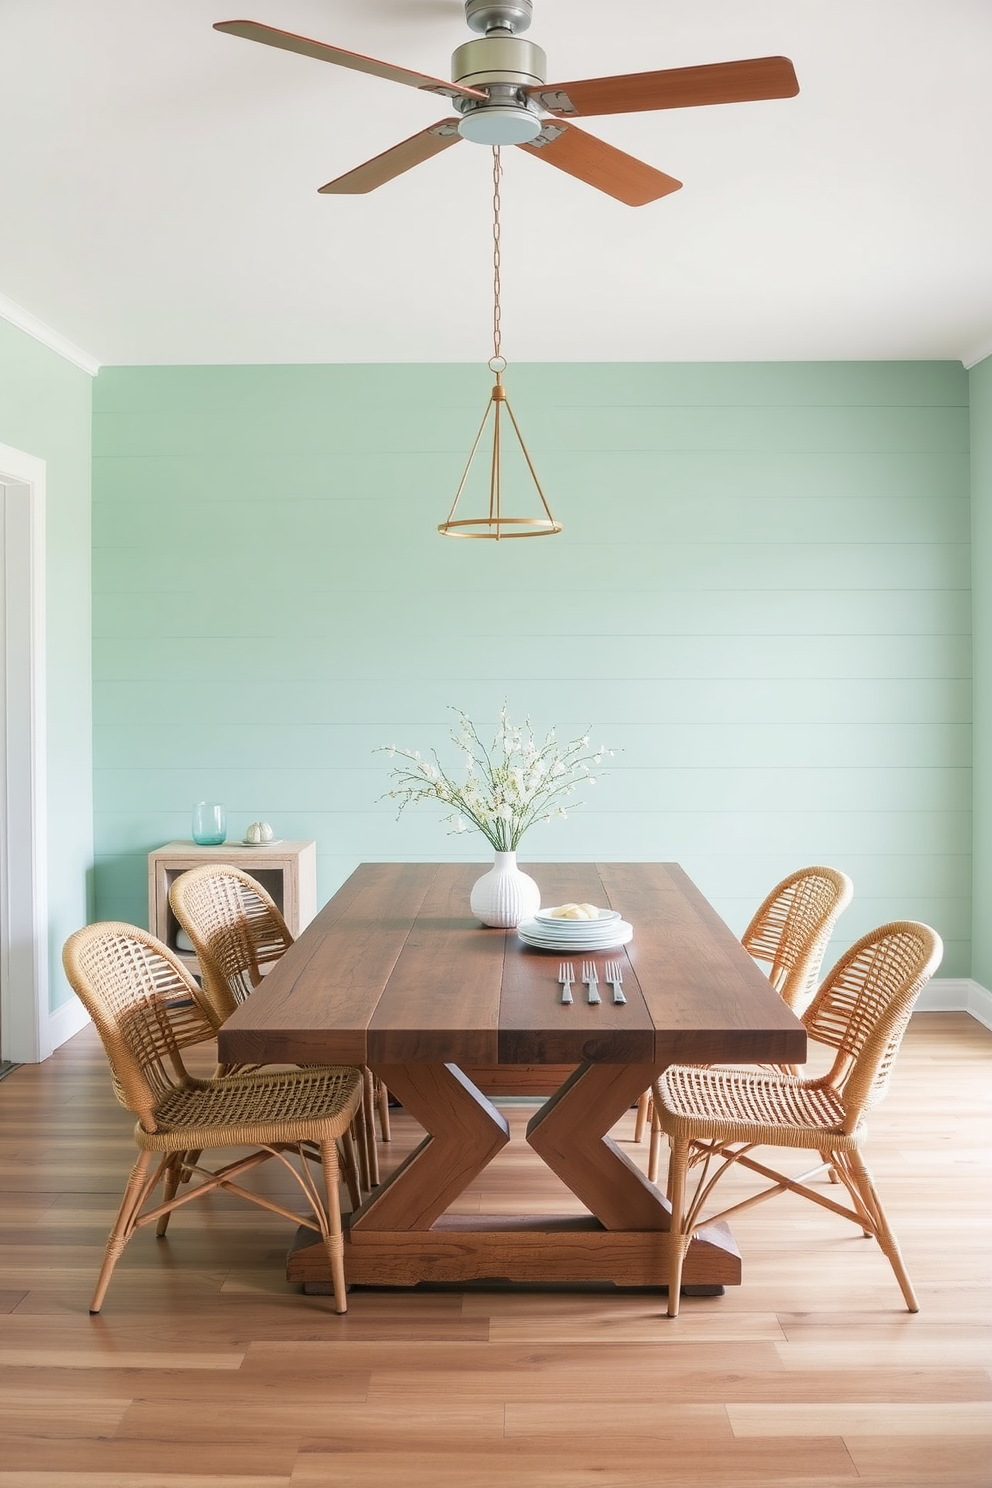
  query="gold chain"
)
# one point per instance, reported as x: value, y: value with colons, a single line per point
x: 497, y: 173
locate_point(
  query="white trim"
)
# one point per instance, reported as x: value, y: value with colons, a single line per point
x: 65, y: 1021
x: 973, y: 359
x: 23, y: 796
x: 25, y: 321
x: 957, y: 995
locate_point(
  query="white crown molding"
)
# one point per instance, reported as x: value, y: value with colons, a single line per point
x: 973, y: 359
x: 957, y: 995
x: 25, y: 321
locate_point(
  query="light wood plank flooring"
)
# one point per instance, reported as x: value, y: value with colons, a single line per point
x: 206, y: 1370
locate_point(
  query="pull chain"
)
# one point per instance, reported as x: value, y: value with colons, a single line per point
x: 497, y: 336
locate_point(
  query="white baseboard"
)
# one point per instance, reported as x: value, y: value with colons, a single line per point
x: 65, y: 1021
x: 957, y: 995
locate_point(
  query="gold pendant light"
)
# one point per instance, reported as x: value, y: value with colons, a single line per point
x: 495, y: 525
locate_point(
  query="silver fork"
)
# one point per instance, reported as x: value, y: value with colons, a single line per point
x: 566, y: 976
x: 614, y: 975
x: 591, y: 979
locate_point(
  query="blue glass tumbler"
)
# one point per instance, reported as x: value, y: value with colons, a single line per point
x: 209, y: 823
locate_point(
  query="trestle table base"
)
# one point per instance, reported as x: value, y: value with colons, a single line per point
x: 402, y: 1235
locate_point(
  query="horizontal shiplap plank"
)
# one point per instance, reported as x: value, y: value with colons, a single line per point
x: 670, y: 480
x: 660, y: 502
x: 223, y: 744
x: 284, y: 787
x: 265, y: 391
x: 406, y: 559
x: 444, y: 426
x: 616, y: 657
x: 602, y: 836
x: 639, y: 701
x: 241, y: 609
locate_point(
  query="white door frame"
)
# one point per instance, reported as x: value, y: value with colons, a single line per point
x: 24, y: 1011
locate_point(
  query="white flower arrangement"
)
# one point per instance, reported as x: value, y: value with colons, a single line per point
x: 508, y: 786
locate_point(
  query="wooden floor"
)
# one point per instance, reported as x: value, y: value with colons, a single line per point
x: 206, y: 1370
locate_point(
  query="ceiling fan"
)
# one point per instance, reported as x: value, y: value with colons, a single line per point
x: 498, y: 88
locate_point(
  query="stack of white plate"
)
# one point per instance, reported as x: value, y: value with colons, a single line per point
x: 549, y: 933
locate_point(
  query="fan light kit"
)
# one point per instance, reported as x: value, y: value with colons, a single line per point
x: 499, y: 91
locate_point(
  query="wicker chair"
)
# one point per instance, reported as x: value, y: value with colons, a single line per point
x: 238, y: 932
x: 788, y: 933
x: 126, y: 979
x: 861, y: 1011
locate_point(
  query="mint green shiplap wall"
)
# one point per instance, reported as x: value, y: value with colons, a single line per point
x: 45, y: 411
x: 761, y: 596
x: 981, y: 538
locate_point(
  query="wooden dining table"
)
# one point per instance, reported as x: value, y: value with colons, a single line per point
x: 396, y: 974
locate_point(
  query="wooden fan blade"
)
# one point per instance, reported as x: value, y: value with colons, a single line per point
x: 601, y: 165
x: 394, y: 162
x: 676, y: 87
x: 255, y: 31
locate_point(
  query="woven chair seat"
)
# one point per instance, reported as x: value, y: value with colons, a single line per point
x: 750, y: 1105
x: 264, y: 1109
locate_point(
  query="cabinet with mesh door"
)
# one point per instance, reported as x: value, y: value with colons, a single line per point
x: 286, y: 870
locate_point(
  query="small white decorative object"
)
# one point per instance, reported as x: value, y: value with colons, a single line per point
x: 259, y: 833
x: 505, y: 895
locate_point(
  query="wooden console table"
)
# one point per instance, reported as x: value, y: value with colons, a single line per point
x: 395, y: 973
x: 286, y: 870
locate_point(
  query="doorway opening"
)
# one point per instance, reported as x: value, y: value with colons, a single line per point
x: 25, y: 1033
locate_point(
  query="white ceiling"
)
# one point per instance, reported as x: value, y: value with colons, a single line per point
x: 158, y: 188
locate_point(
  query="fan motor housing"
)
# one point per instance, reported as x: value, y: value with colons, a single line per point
x: 499, y: 59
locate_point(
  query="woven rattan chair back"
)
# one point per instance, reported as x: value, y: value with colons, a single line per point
x: 864, y: 1006
x: 236, y: 929
x: 790, y: 931
x: 144, y: 1005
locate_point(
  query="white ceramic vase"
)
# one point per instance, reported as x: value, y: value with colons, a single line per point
x: 505, y: 895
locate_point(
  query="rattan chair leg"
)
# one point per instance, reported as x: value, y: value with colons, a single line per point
x: 173, y: 1177
x: 368, y: 1117
x: 654, y: 1151
x: 382, y: 1105
x: 123, y: 1226
x: 679, y: 1241
x: 360, y: 1137
x: 890, y: 1246
x: 351, y: 1168
x: 348, y: 1167
x: 189, y: 1161
x: 642, y: 1115
x: 840, y: 1172
x: 831, y: 1174
x: 333, y: 1233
